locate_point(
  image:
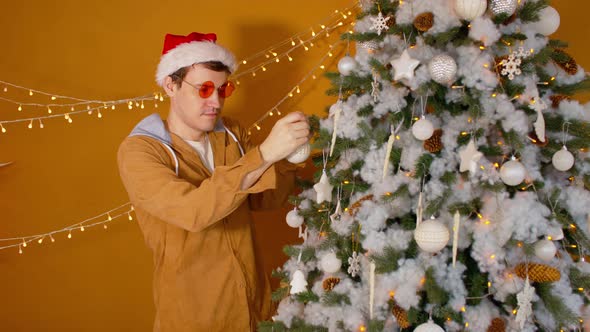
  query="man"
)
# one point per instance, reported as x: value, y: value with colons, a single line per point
x: 193, y: 180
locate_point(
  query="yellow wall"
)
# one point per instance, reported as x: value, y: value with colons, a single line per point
x: 101, y: 280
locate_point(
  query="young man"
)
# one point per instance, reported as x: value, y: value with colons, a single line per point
x: 193, y: 180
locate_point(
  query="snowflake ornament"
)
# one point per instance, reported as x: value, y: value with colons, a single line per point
x: 379, y: 23
x: 355, y: 264
x: 511, y: 66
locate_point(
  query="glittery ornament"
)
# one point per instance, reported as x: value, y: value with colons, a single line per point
x: 442, y: 69
x: 503, y: 6
x: 370, y: 46
x: 424, y: 21
x: 330, y: 283
x: 431, y: 235
x: 401, y: 316
x: 566, y: 62
x: 434, y: 143
x: 497, y: 325
x: 538, y: 272
x: 300, y: 154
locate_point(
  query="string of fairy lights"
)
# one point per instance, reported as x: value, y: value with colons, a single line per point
x: 70, y: 106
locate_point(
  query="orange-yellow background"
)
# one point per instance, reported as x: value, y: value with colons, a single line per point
x: 101, y: 280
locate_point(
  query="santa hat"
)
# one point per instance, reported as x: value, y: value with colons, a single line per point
x: 183, y: 51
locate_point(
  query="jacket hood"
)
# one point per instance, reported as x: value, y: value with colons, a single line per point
x: 153, y: 126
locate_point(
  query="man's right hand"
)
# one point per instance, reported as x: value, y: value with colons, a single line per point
x: 286, y: 135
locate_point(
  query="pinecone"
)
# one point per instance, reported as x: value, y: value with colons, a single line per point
x: 535, y: 139
x: 569, y: 66
x: 556, y: 100
x: 401, y: 316
x: 330, y: 283
x: 424, y: 21
x: 430, y: 109
x: 391, y: 21
x: 497, y: 325
x: 434, y: 143
x: 538, y: 272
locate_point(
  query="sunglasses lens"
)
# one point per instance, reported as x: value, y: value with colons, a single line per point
x: 226, y: 89
x: 206, y: 89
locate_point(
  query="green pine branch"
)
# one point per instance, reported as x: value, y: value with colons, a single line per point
x: 333, y: 299
x: 531, y: 9
x: 555, y: 305
x: 434, y: 293
x: 387, y: 261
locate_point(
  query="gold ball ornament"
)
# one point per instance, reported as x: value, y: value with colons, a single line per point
x: 431, y: 235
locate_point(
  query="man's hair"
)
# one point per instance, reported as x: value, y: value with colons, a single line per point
x: 179, y: 75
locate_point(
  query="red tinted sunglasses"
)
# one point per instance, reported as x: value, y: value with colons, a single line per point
x: 206, y: 89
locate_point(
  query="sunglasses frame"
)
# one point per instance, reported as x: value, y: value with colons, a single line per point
x: 220, y: 89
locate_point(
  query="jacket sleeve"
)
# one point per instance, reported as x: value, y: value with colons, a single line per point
x: 152, y: 185
x: 282, y: 174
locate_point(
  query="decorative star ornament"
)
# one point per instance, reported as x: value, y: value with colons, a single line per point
x: 323, y: 189
x: 469, y: 157
x: 404, y: 66
x: 379, y: 23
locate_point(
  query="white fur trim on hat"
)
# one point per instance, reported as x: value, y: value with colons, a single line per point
x: 188, y: 54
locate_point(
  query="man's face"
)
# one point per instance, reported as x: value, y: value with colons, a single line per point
x: 198, y: 113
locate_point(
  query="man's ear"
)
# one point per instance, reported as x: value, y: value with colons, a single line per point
x: 169, y: 86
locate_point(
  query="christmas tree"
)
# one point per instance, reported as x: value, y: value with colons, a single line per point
x: 453, y: 183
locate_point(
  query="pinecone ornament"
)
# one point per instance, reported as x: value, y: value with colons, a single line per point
x: 557, y: 99
x: 424, y: 21
x: 498, y: 325
x: 538, y: 272
x: 434, y: 143
x: 569, y: 65
x: 330, y: 283
x: 401, y: 316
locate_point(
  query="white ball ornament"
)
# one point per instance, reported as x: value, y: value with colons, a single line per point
x: 300, y: 154
x: 422, y: 129
x: 431, y: 235
x: 503, y: 6
x: 330, y: 263
x: 346, y: 65
x: 470, y: 9
x: 563, y: 160
x: 294, y: 219
x: 545, y: 249
x: 512, y: 172
x: 442, y: 69
x: 429, y: 326
x: 548, y: 22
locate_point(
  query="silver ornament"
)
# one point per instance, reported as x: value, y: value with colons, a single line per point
x: 442, y: 69
x: 431, y: 235
x: 503, y: 6
x: 370, y: 46
x: 300, y: 154
x: 512, y: 172
x: 346, y: 65
x: 563, y: 160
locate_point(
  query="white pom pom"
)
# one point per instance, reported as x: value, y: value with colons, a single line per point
x: 422, y: 129
x: 330, y: 263
x: 300, y: 154
x: 470, y: 9
x: 346, y: 65
x: 294, y: 219
x: 563, y: 160
x: 431, y: 235
x: 512, y: 172
x: 545, y: 249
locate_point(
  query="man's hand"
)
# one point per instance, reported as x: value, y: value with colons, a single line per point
x: 286, y: 135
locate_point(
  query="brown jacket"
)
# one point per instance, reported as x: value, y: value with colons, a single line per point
x: 198, y: 225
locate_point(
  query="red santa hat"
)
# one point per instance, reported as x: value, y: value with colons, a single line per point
x: 183, y: 51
